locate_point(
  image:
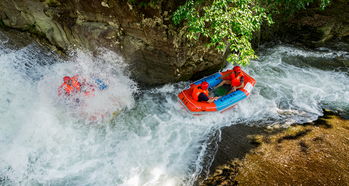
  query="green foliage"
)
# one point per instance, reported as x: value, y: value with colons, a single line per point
x: 324, y: 4
x: 225, y: 23
x: 228, y: 25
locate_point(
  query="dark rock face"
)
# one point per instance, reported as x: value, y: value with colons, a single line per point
x: 322, y: 26
x: 311, y: 27
x: 156, y: 50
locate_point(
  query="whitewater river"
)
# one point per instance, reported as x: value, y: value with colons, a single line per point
x: 149, y: 139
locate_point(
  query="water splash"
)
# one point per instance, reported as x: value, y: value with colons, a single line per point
x: 107, y: 67
x: 153, y: 140
x: 42, y: 142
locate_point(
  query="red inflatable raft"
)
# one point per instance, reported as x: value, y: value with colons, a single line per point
x: 223, y: 103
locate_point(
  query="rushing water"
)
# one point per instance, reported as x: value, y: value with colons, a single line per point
x: 151, y: 140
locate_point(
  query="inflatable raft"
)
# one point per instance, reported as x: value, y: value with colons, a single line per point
x: 223, y: 103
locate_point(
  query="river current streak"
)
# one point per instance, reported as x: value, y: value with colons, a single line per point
x: 151, y: 140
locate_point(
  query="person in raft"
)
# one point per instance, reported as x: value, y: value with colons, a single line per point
x: 200, y: 93
x: 234, y: 78
x: 70, y: 86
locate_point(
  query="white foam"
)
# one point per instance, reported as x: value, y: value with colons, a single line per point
x: 41, y: 141
x: 153, y: 141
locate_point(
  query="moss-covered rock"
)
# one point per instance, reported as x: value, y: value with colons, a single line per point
x: 156, y: 51
x: 308, y: 154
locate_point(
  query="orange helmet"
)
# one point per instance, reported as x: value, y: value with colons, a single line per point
x: 237, y: 69
x: 204, y: 85
x: 66, y: 79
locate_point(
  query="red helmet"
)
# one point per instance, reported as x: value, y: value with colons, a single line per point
x: 204, y: 85
x: 237, y: 69
x: 66, y: 79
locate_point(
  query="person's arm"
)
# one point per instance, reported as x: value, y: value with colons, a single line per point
x: 241, y: 86
x: 233, y: 89
x: 203, y: 97
x: 212, y: 99
x: 220, y: 84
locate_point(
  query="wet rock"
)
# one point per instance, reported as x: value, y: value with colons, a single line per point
x: 306, y: 154
x: 156, y: 50
x: 237, y: 140
x: 310, y: 27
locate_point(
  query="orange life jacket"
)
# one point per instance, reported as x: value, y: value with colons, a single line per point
x: 66, y: 89
x: 75, y: 83
x: 229, y: 76
x: 197, y: 91
x: 236, y: 80
x: 69, y: 89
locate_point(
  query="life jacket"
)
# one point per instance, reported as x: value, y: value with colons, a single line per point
x: 229, y: 77
x: 236, y: 80
x: 75, y: 83
x: 197, y: 91
x: 70, y: 89
x: 66, y: 89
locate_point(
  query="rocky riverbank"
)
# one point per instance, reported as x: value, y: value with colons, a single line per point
x: 303, y: 154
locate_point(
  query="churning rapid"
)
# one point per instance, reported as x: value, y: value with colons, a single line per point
x: 147, y: 137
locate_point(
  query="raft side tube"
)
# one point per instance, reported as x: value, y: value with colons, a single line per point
x: 229, y: 100
x: 223, y: 103
x: 213, y: 80
x: 195, y: 106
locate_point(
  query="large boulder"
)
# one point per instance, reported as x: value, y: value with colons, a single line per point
x: 157, y: 51
x: 311, y: 27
